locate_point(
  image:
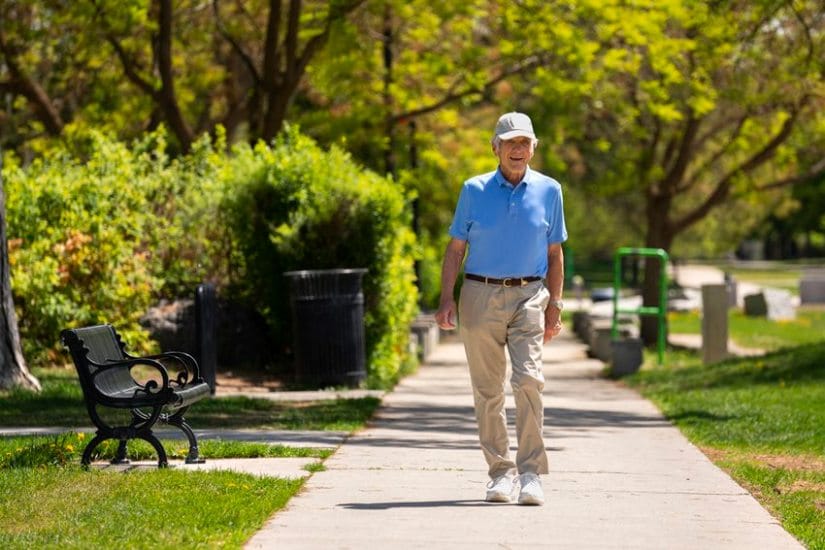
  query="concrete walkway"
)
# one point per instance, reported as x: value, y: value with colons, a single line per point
x: 621, y: 475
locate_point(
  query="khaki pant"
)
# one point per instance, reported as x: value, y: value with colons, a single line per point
x: 490, y: 318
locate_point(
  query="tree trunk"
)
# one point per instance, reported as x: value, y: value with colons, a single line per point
x: 659, y: 235
x: 389, y: 130
x: 13, y: 371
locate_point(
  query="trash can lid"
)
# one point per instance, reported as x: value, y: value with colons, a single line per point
x: 311, y: 272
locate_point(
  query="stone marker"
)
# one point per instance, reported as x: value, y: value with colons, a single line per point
x: 714, y: 323
x: 774, y: 303
x: 812, y: 287
x: 756, y: 305
x: 425, y: 334
x: 626, y: 356
x: 780, y: 304
x: 732, y: 286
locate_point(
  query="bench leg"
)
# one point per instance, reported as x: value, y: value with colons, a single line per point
x: 86, y: 460
x: 120, y: 455
x: 149, y: 437
x: 178, y: 421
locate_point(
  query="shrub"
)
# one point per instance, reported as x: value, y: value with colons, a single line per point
x: 98, y: 231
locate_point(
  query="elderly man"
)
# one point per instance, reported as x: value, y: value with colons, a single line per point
x: 513, y: 221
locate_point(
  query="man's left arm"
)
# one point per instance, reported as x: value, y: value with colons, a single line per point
x: 555, y: 284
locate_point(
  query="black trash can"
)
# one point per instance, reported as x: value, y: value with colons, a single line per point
x: 328, y: 326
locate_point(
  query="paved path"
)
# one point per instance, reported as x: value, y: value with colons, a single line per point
x: 621, y: 475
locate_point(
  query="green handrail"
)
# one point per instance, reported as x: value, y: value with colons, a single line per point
x: 660, y: 311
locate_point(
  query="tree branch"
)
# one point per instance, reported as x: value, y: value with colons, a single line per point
x: 816, y: 171
x: 22, y: 84
x: 291, y: 39
x: 451, y: 96
x: 720, y: 193
x: 316, y: 42
x: 236, y: 47
x: 676, y: 172
x: 169, y: 102
x: 715, y: 157
x: 129, y: 68
x: 271, y: 71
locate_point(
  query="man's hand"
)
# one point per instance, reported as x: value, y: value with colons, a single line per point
x: 552, y: 323
x: 445, y: 316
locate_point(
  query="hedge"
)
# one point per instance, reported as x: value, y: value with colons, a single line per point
x: 101, y: 230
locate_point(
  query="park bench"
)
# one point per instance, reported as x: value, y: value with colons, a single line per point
x: 154, y: 388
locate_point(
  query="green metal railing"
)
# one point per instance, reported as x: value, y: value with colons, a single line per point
x: 660, y: 311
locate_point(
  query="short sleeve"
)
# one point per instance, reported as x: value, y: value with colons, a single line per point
x: 556, y: 229
x: 460, y: 228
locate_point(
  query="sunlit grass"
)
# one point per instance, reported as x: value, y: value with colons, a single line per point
x: 58, y: 507
x: 66, y: 449
x: 759, y: 332
x: 48, y: 501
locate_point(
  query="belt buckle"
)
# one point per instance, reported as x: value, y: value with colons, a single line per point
x: 506, y: 282
x: 523, y: 282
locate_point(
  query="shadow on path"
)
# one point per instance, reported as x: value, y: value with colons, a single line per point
x: 414, y: 504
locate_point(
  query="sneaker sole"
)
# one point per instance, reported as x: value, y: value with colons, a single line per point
x: 497, y: 497
x: 530, y: 501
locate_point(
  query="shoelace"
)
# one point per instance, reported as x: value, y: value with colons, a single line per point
x: 531, y: 480
x: 516, y: 481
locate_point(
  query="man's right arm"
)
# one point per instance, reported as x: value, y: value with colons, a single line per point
x: 453, y: 256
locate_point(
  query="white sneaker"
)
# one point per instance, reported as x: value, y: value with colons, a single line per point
x: 500, y: 489
x: 531, y: 492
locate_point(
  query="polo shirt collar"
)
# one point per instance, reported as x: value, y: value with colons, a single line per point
x: 503, y: 181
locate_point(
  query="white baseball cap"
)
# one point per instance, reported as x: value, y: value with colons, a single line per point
x: 513, y: 125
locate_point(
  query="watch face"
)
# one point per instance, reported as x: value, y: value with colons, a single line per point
x: 558, y: 304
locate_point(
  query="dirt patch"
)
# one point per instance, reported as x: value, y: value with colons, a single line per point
x: 801, y: 485
x: 799, y: 463
x: 231, y: 383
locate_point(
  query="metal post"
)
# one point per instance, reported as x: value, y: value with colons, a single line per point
x: 660, y: 311
x: 205, y: 324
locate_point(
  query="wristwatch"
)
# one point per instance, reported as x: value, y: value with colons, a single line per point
x: 558, y: 304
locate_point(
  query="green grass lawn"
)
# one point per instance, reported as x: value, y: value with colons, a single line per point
x: 759, y: 332
x: 48, y: 501
x: 784, y: 277
x: 761, y: 419
x: 66, y: 507
x: 65, y: 449
x: 61, y: 404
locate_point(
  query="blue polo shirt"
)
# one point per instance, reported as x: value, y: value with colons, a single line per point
x: 508, y: 228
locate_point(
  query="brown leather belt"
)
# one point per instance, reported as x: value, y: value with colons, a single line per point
x: 506, y: 282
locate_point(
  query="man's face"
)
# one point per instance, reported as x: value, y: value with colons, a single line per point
x: 514, y: 154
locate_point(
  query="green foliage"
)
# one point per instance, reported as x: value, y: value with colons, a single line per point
x: 100, y: 230
x: 294, y: 207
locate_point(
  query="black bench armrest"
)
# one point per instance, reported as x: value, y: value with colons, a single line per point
x: 151, y: 387
x: 190, y: 372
